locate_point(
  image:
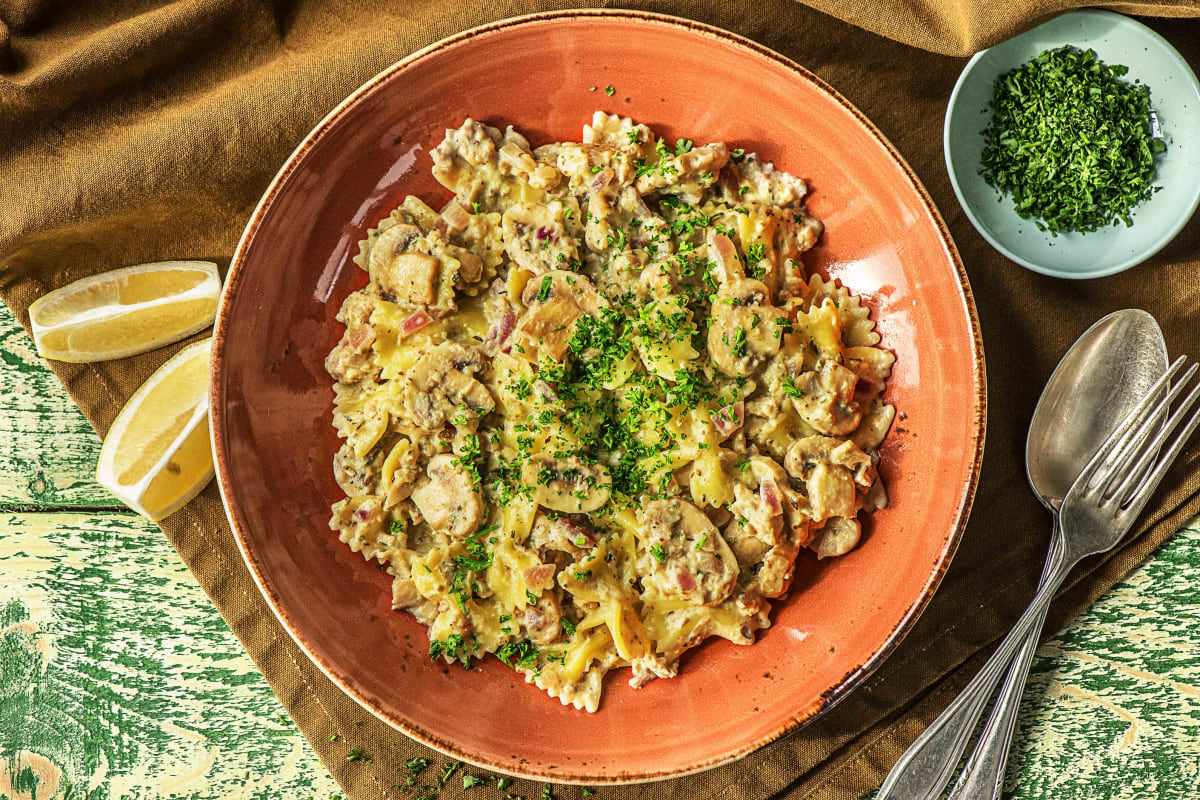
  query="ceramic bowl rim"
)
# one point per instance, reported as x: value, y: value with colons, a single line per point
x: 952, y: 106
x: 855, y: 676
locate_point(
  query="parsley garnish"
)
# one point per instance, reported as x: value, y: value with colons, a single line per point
x: 544, y: 289
x: 518, y: 655
x: 659, y: 554
x: 610, y: 91
x: 739, y: 343
x: 1070, y: 141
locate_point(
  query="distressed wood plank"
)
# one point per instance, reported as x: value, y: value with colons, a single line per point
x: 1113, y: 704
x: 49, y: 450
x: 107, y: 691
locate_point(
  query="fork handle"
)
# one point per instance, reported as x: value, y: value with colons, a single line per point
x: 983, y: 776
x: 926, y: 766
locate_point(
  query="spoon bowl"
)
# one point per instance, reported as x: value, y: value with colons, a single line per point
x: 1100, y: 379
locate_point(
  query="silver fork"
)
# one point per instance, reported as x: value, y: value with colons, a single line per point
x: 1099, y: 510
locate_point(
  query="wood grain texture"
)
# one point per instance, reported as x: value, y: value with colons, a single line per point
x: 47, y: 449
x: 118, y: 679
x: 1113, y: 704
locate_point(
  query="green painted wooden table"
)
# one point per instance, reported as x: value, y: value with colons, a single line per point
x: 119, y: 680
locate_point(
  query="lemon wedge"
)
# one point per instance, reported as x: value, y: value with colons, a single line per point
x: 157, y: 456
x: 125, y: 311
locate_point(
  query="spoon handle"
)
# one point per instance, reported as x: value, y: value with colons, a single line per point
x: 983, y: 776
x: 926, y: 766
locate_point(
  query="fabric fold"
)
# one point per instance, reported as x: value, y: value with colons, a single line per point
x: 149, y: 132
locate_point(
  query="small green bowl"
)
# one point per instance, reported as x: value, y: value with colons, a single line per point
x: 1175, y: 101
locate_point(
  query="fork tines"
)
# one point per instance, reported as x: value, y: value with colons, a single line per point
x: 1128, y: 466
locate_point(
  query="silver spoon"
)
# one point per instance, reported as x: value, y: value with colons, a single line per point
x: 1100, y: 379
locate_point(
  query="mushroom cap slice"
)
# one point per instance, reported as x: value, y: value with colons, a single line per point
x: 440, y: 387
x: 745, y: 327
x: 568, y: 485
x: 447, y: 498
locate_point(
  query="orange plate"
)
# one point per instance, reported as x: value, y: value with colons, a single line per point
x: 271, y: 397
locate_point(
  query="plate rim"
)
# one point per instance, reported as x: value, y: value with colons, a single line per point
x: 854, y: 677
x: 952, y: 105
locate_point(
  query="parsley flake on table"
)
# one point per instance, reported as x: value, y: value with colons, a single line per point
x: 1071, y: 141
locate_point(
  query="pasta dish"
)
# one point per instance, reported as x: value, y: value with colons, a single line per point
x: 595, y: 406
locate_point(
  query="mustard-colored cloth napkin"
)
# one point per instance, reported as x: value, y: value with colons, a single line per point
x: 148, y: 131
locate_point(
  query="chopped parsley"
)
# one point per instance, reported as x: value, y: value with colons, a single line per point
x: 659, y: 554
x: 518, y: 655
x: 454, y: 648
x: 610, y: 91
x: 1071, y: 142
x: 738, y: 348
x: 544, y: 289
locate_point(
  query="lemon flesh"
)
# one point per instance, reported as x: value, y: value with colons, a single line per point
x: 157, y: 456
x: 125, y: 311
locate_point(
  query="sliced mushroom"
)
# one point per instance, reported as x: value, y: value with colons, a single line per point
x: 554, y: 302
x: 440, y: 387
x: 411, y: 277
x: 447, y: 498
x: 832, y: 470
x: 685, y: 556
x: 535, y: 237
x: 390, y: 243
x: 569, y: 485
x: 824, y: 398
x: 837, y: 537
x: 745, y: 326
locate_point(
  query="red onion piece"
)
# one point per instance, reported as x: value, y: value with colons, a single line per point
x: 499, y: 332
x: 768, y: 490
x: 729, y: 418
